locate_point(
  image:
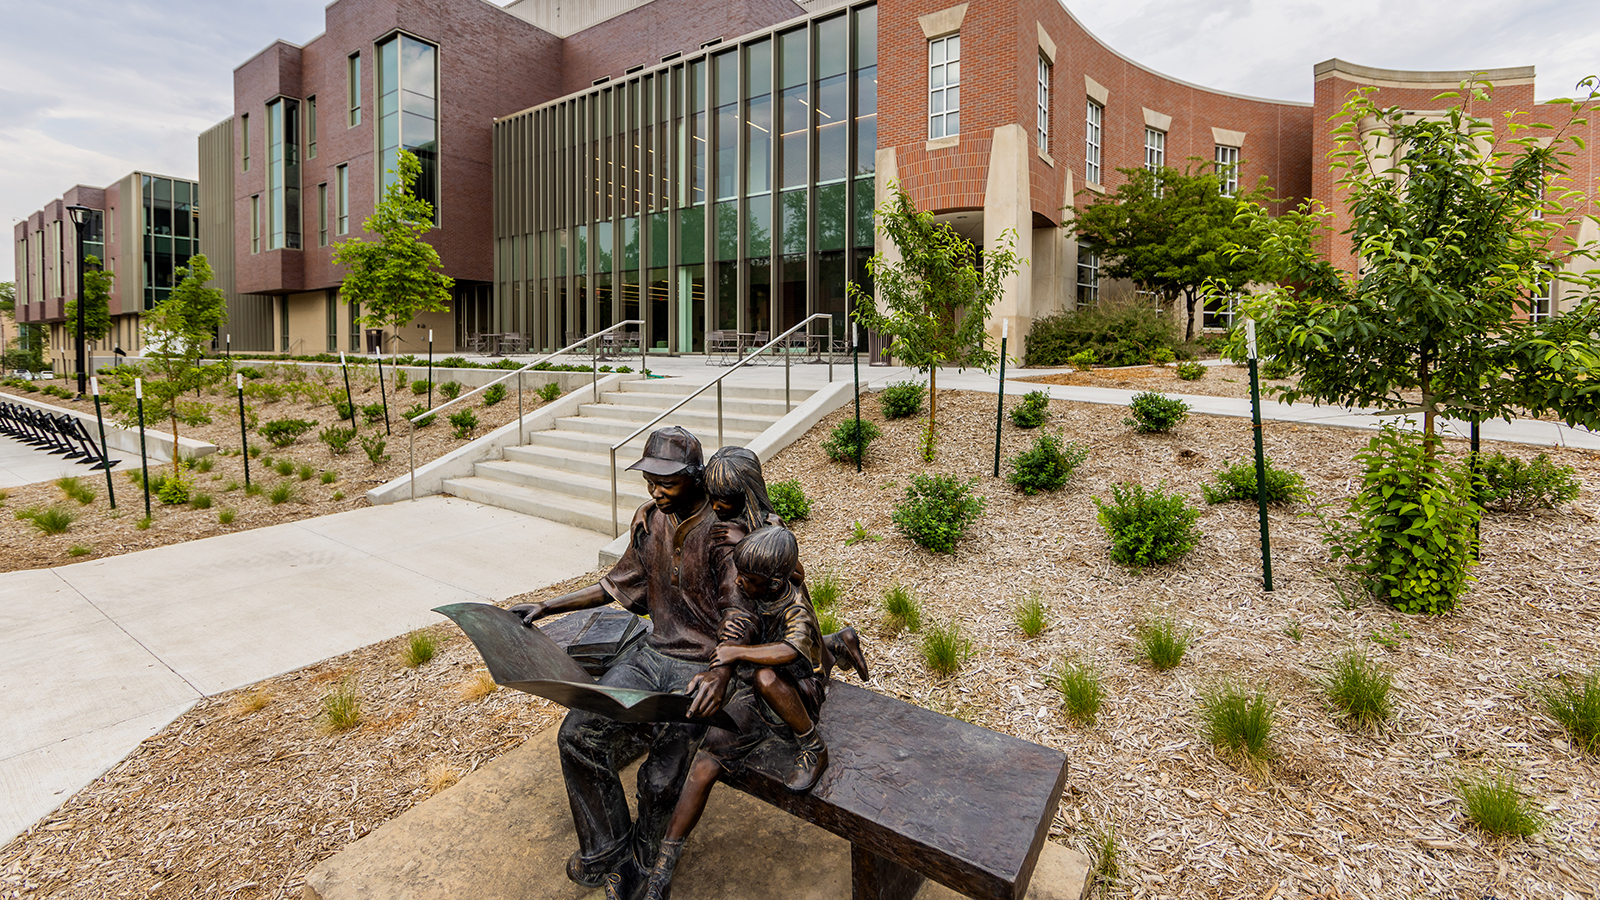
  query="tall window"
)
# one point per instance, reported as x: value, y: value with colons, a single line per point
x: 1540, y: 305
x: 1228, y: 170
x: 244, y: 134
x: 1219, y: 312
x: 408, y: 112
x: 353, y: 88
x: 944, y: 86
x: 283, y: 174
x: 255, y: 223
x: 1044, y: 105
x: 311, y: 128
x: 322, y: 214
x: 1155, y: 149
x: 1091, y: 143
x: 341, y: 182
x: 1088, y: 276
x: 331, y: 308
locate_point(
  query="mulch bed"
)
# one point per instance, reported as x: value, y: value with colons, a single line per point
x: 228, y: 802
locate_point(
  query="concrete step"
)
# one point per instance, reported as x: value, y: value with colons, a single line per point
x: 544, y: 504
x: 695, y: 419
x: 775, y: 409
x: 683, y: 387
x: 594, y: 488
x: 616, y: 429
x: 567, y: 460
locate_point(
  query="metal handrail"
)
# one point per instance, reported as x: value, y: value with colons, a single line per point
x: 594, y: 385
x: 788, y: 404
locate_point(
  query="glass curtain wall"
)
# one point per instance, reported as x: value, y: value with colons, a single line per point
x: 171, y: 234
x: 283, y: 174
x: 408, y: 112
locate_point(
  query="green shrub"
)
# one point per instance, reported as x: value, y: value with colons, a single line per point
x: 944, y: 648
x: 1083, y: 360
x: 1275, y: 369
x: 200, y: 501
x: 1512, y: 484
x: 903, y: 399
x: 255, y: 452
x: 901, y: 608
x: 936, y: 511
x: 1577, y: 708
x: 420, y: 647
x: 330, y: 476
x: 203, y: 464
x: 1147, y: 528
x: 454, y: 362
x: 826, y: 591
x: 450, y: 390
x: 225, y: 517
x: 1032, y: 411
x: 1191, y: 371
x: 420, y: 386
x: 1162, y: 643
x: 76, y: 490
x: 1121, y: 333
x: 174, y: 491
x: 284, y: 467
x: 463, y: 422
x: 54, y: 520
x: 337, y: 496
x: 417, y: 409
x: 1082, y: 693
x: 282, y: 432
x: 284, y: 492
x: 494, y: 394
x: 847, y: 440
x: 1030, y: 614
x: 1237, y: 481
x: 550, y: 391
x: 859, y: 533
x: 337, y: 437
x: 264, y: 392
x: 1155, y: 413
x: 1496, y: 807
x: 1359, y: 687
x: 345, y: 411
x: 789, y: 500
x: 251, y: 372
x: 1161, y: 356
x: 372, y: 413
x: 1046, y: 466
x: 1238, y: 719
x: 144, y: 523
x: 374, y: 446
x: 1411, y: 535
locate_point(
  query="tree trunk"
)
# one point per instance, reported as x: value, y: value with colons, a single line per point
x: 1192, y: 296
x: 175, y: 472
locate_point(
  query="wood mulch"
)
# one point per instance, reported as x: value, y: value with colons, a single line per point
x: 100, y: 531
x: 1218, y: 381
x: 226, y: 802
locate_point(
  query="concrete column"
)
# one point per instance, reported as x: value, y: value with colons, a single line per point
x: 1007, y: 204
x: 887, y: 164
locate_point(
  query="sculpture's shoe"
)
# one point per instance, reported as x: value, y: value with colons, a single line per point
x: 627, y: 883
x: 578, y: 875
x: 810, y: 764
x: 847, y: 651
x: 660, y: 884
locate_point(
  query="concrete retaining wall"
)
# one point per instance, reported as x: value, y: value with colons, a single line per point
x: 158, y: 444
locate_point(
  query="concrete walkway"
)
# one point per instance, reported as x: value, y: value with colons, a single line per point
x: 22, y: 464
x: 102, y: 654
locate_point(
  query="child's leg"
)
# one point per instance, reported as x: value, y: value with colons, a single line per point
x: 692, y: 801
x: 784, y: 700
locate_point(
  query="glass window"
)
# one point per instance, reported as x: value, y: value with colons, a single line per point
x: 1540, y: 305
x: 1228, y: 170
x: 944, y: 86
x: 727, y: 124
x: 331, y: 320
x: 866, y: 87
x: 1088, y: 276
x: 408, y: 112
x: 244, y: 134
x: 695, y: 157
x: 1219, y: 312
x: 794, y: 108
x: 353, y: 83
x: 283, y: 174
x: 255, y: 223
x: 341, y: 180
x: 311, y: 128
x: 1091, y: 143
x: 1044, y: 105
x: 1155, y: 149
x: 758, y: 118
x: 322, y: 214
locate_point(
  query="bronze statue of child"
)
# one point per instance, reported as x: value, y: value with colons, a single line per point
x: 786, y: 669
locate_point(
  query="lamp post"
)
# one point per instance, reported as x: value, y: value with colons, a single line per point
x: 80, y: 218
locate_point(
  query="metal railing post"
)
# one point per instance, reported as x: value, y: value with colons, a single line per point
x: 411, y: 444
x: 719, y: 412
x: 614, y: 529
x: 594, y: 375
x: 788, y: 405
x: 520, y: 433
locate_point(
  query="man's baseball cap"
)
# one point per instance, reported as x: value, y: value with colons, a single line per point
x: 669, y: 451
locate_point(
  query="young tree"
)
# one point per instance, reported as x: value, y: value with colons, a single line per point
x: 177, y: 334
x: 1170, y: 232
x: 97, y: 294
x: 933, y: 303
x: 1457, y: 227
x: 26, y: 350
x: 395, y: 276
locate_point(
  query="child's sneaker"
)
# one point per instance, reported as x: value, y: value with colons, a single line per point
x: 810, y: 764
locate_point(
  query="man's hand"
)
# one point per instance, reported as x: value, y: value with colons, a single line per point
x: 530, y: 612
x: 710, y: 689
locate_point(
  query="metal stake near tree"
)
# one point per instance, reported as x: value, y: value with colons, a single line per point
x: 105, y: 451
x: 383, y: 394
x: 1261, y: 457
x: 430, y: 368
x: 855, y: 361
x: 1000, y: 406
x: 244, y: 434
x: 349, y: 398
x: 144, y: 458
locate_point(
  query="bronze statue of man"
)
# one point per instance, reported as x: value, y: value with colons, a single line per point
x: 668, y: 573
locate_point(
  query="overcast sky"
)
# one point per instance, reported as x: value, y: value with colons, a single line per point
x: 153, y: 74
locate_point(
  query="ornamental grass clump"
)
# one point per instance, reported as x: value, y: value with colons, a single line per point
x: 420, y: 647
x: 341, y: 707
x: 1030, y: 614
x: 826, y: 591
x: 789, y: 500
x: 1239, y: 720
x: 1147, y: 528
x: 937, y: 510
x: 1496, y: 807
x: 1032, y: 411
x: 1359, y: 687
x: 1162, y: 643
x: 1047, y: 465
x: 903, y: 400
x: 945, y: 648
x: 1577, y: 707
x: 1155, y: 413
x: 54, y: 520
x: 1082, y: 693
x: 76, y: 490
x: 1237, y: 481
x: 902, y: 610
x: 850, y: 440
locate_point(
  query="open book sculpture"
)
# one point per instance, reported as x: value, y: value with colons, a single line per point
x: 527, y: 659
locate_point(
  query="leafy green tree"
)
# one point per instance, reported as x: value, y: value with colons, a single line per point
x: 933, y: 303
x: 1457, y: 225
x: 26, y: 350
x: 177, y: 334
x: 395, y: 276
x: 97, y: 294
x: 1171, y: 232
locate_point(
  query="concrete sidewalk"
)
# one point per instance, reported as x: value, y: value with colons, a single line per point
x: 102, y: 654
x: 22, y: 464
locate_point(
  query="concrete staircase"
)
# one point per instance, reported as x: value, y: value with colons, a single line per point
x: 561, y: 474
